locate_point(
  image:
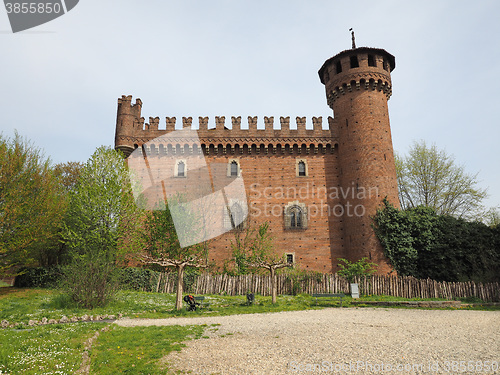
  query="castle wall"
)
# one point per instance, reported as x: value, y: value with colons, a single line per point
x: 348, y: 163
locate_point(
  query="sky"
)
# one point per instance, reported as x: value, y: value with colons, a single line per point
x: 59, y: 82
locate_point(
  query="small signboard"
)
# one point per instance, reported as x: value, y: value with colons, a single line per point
x: 354, y: 291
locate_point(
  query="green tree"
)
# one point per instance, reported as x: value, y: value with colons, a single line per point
x: 256, y: 250
x: 101, y: 214
x: 394, y: 231
x: 431, y: 178
x: 361, y: 268
x: 31, y: 203
x: 423, y: 244
x: 162, y: 247
x: 53, y: 251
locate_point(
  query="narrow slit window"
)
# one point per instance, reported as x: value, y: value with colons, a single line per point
x: 371, y: 61
x: 234, y: 168
x: 181, y: 169
x: 354, y: 62
x: 302, y: 168
x: 338, y: 67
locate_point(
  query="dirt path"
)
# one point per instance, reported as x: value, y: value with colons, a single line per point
x: 351, y: 340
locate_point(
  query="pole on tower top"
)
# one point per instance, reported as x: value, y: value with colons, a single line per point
x: 352, y: 37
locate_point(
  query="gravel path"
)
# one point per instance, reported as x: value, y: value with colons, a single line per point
x: 348, y: 341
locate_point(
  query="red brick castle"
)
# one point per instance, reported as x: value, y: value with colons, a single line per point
x: 317, y: 187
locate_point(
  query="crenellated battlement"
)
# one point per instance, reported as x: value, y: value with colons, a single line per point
x: 267, y: 134
x: 235, y: 124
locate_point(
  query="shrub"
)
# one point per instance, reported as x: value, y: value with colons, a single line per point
x: 139, y: 279
x: 90, y: 283
x: 38, y: 277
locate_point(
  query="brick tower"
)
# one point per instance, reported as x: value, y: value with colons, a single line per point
x: 358, y: 86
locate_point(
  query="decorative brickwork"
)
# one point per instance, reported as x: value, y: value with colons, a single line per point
x: 349, y: 165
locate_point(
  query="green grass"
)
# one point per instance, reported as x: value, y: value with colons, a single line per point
x: 21, y: 305
x: 49, y: 349
x: 57, y: 349
x: 138, y: 350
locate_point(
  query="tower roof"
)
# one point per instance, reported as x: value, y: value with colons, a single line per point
x: 352, y: 51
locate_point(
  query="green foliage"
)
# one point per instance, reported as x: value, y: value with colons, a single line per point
x: 420, y: 243
x: 297, y: 277
x: 254, y: 249
x: 394, y: 231
x: 32, y: 204
x: 101, y: 213
x: 90, y: 282
x: 160, y: 241
x: 38, y: 277
x: 102, y: 209
x: 133, y: 278
x: 361, y: 268
x: 429, y: 177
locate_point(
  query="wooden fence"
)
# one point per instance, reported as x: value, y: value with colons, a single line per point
x: 406, y: 287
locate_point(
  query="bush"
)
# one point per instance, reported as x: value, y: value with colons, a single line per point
x: 139, y: 279
x: 38, y: 277
x: 90, y: 283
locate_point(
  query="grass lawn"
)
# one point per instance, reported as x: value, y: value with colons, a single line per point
x: 58, y: 349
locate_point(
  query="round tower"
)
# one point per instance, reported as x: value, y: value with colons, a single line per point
x: 127, y: 117
x: 358, y: 86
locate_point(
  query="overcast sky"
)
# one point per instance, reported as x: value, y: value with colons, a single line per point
x: 59, y: 82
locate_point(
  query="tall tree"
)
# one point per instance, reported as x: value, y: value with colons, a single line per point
x: 430, y: 177
x: 101, y: 212
x: 53, y: 251
x: 31, y: 202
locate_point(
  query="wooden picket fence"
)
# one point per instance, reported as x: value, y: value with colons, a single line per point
x: 406, y: 287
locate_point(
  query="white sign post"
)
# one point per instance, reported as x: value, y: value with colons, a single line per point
x: 354, y: 291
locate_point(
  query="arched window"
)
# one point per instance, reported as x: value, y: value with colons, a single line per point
x: 302, y: 168
x: 295, y: 216
x: 237, y: 217
x: 181, y: 169
x: 234, y: 168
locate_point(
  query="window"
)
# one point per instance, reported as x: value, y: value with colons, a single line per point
x: 354, y: 62
x: 295, y: 216
x: 235, y: 218
x: 234, y: 168
x: 338, y: 67
x: 371, y: 61
x: 180, y: 169
x: 289, y: 258
x: 302, y: 168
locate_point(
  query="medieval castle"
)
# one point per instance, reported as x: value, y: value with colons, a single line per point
x: 317, y: 188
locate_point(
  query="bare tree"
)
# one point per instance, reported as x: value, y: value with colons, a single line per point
x: 255, y: 249
x: 162, y: 247
x: 430, y: 177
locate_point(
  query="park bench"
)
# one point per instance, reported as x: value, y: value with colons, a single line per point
x: 195, y: 301
x: 326, y: 295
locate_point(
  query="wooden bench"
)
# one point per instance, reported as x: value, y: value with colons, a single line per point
x: 200, y: 300
x: 326, y: 295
